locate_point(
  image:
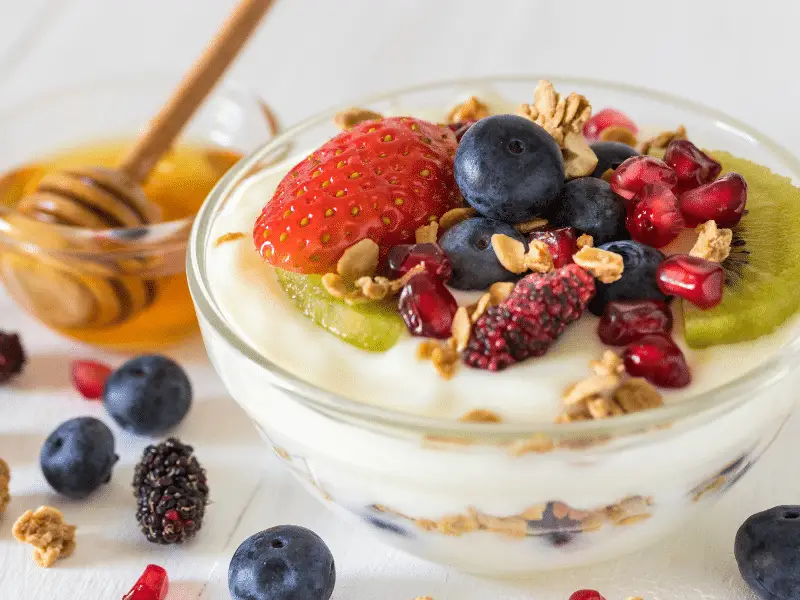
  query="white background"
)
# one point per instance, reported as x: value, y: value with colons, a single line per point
x: 738, y: 56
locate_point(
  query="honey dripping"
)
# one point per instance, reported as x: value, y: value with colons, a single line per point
x: 122, y: 311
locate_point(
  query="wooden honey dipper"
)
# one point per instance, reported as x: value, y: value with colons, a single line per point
x: 102, y: 198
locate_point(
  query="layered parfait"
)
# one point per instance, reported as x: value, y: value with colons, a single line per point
x: 508, y: 266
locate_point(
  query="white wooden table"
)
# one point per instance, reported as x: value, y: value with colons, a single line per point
x: 736, y: 55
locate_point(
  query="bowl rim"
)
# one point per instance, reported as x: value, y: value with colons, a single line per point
x: 166, y: 230
x: 705, y: 405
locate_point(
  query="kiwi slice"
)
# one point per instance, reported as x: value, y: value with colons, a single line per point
x: 763, y: 271
x: 373, y: 326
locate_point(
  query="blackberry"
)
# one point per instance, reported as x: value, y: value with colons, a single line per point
x: 172, y: 492
x: 12, y: 356
x: 531, y: 318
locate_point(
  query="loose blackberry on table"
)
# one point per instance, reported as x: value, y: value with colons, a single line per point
x: 171, y: 492
x: 12, y: 356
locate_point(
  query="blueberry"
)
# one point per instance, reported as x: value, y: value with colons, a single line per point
x: 508, y: 168
x: 589, y: 205
x: 148, y: 394
x: 638, y: 280
x: 610, y: 155
x: 468, y: 245
x: 287, y: 562
x: 78, y: 457
x: 767, y: 549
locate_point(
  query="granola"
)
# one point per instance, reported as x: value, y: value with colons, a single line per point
x: 231, y: 236
x: 461, y: 328
x: 512, y: 255
x: 471, y: 109
x: 618, y: 134
x: 659, y: 142
x: 47, y: 532
x: 454, y: 216
x: 481, y: 415
x: 533, y: 225
x: 359, y: 260
x: 602, y: 264
x: 347, y: 119
x: 563, y: 118
x: 712, y: 243
x: 443, y: 355
x: 427, y: 234
x: 5, y: 477
x: 584, y: 240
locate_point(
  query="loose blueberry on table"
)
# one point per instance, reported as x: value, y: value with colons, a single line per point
x: 287, y: 562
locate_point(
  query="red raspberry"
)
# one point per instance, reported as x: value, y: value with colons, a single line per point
x: 531, y: 318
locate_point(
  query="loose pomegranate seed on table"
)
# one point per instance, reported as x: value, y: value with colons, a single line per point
x: 561, y: 243
x: 722, y: 201
x: 427, y: 306
x: 608, y: 117
x: 586, y: 595
x: 626, y: 321
x: 89, y: 378
x: 694, y: 279
x: 152, y: 585
x: 657, y: 359
x: 654, y: 217
x: 401, y: 259
x: 638, y: 171
x: 692, y: 166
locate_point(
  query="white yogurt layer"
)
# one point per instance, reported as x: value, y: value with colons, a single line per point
x: 248, y: 294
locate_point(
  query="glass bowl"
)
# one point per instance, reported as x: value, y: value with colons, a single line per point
x: 123, y: 288
x: 463, y: 494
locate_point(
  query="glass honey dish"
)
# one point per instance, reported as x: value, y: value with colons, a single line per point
x: 121, y: 288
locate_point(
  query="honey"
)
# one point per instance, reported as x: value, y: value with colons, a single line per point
x: 140, y: 302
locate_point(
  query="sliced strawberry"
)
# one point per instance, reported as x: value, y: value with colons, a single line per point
x: 89, y: 377
x: 380, y: 180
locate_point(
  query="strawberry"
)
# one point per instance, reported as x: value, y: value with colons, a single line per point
x: 381, y: 180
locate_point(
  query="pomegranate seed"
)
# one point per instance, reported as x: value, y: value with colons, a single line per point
x: 608, y: 117
x: 561, y: 242
x: 172, y: 515
x: 659, y: 360
x: 586, y: 595
x: 697, y: 280
x: 427, y: 306
x: 152, y: 585
x: 403, y: 258
x: 692, y: 166
x: 722, y: 201
x: 460, y: 128
x: 638, y: 171
x: 626, y: 321
x: 654, y: 217
x: 89, y: 377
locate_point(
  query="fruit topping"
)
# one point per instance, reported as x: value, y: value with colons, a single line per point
x: 761, y: 273
x: 460, y: 128
x: 767, y: 550
x: 694, y: 279
x: 602, y: 120
x: 171, y: 491
x: 588, y: 205
x: 610, y: 155
x: 532, y: 317
x: 401, y: 259
x: 654, y: 217
x: 722, y: 201
x: 148, y: 394
x: 12, y: 356
x: 373, y: 326
x: 659, y: 360
x: 508, y: 168
x: 152, y: 585
x: 427, y: 307
x: 381, y: 180
x: 468, y: 245
x: 287, y: 562
x: 692, y: 166
x: 561, y: 242
x: 586, y: 595
x: 89, y: 377
x: 638, y: 281
x: 78, y: 457
x: 626, y: 321
x: 635, y: 173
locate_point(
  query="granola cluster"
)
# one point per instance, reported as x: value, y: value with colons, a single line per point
x: 47, y: 532
x: 512, y: 255
x: 712, y: 243
x: 607, y: 393
x: 471, y: 109
x: 5, y: 478
x: 347, y: 119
